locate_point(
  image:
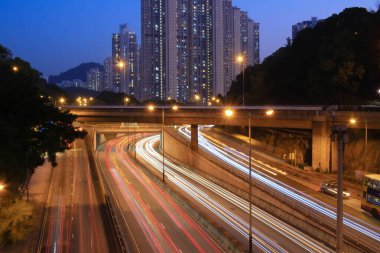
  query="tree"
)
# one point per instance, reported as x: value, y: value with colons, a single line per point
x: 16, y: 221
x: 337, y: 62
x: 31, y: 127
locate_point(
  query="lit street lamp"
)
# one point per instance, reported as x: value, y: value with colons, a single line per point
x: 230, y: 113
x: 269, y: 112
x: 2, y: 187
x: 15, y: 69
x: 197, y: 98
x: 122, y: 66
x: 240, y: 60
x: 126, y: 100
x: 62, y: 100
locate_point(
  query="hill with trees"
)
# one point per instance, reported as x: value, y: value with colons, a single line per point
x: 337, y: 62
x: 79, y: 72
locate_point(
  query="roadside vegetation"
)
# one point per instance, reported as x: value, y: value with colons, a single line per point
x: 32, y: 129
x: 337, y: 62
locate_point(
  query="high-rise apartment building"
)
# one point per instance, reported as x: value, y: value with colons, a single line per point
x: 107, y: 75
x: 189, y: 46
x: 302, y: 25
x: 246, y: 40
x: 124, y: 61
x: 95, y: 80
x: 228, y: 48
x: 158, y: 49
x: 129, y: 58
x: 116, y: 55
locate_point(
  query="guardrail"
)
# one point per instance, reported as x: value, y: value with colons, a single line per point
x: 111, y: 214
x: 106, y: 210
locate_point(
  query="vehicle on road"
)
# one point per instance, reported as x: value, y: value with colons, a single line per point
x: 371, y: 194
x: 331, y: 188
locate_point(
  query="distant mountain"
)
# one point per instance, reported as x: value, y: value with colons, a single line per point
x: 79, y: 72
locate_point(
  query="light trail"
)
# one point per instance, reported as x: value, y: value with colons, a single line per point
x: 293, y: 193
x: 146, y: 150
x: 121, y: 169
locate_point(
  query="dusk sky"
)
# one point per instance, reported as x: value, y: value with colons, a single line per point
x: 55, y: 35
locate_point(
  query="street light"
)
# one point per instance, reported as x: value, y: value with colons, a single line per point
x: 175, y: 107
x: 197, y: 98
x: 340, y: 132
x: 15, y: 69
x: 163, y: 145
x: 269, y: 112
x: 122, y: 66
x: 62, y: 100
x: 2, y: 187
x: 126, y: 100
x: 229, y: 113
x: 240, y: 60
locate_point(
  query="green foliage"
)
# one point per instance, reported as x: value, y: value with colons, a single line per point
x: 31, y: 126
x: 337, y: 62
x: 16, y: 221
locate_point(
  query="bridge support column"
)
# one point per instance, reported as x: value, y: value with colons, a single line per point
x: 194, y: 137
x: 321, y: 147
x: 100, y: 138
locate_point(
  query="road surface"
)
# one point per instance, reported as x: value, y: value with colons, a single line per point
x: 72, y: 221
x: 148, y: 217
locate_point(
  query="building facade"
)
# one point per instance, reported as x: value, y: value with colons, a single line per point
x: 302, y: 25
x: 189, y: 46
x: 129, y: 56
x: 95, y: 80
x: 107, y: 75
x: 116, y: 56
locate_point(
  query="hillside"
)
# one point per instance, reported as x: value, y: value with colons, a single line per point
x: 79, y: 72
x: 337, y: 62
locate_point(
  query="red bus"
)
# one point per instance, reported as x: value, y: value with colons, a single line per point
x: 371, y: 194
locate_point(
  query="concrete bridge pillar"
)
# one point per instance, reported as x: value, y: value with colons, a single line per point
x: 100, y: 138
x: 194, y: 137
x: 321, y: 147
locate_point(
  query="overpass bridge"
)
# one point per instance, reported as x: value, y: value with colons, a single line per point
x: 315, y: 118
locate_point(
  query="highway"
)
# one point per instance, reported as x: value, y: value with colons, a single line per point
x: 232, y: 212
x: 367, y: 234
x: 149, y: 218
x: 72, y: 221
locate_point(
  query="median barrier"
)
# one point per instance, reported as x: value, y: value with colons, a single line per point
x: 115, y: 242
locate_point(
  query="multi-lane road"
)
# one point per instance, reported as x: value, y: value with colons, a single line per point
x: 72, y: 221
x: 363, y: 233
x: 229, y: 210
x: 150, y: 220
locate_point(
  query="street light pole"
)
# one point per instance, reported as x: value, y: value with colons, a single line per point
x: 250, y: 185
x: 243, y: 84
x: 340, y: 131
x: 365, y: 144
x: 163, y: 145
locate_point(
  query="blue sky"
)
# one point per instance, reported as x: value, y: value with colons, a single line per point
x: 55, y: 35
